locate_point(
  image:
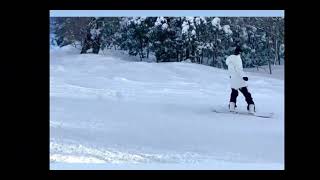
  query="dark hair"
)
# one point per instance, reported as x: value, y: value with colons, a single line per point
x: 237, y: 51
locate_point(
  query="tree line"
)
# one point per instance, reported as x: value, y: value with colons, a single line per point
x: 203, y: 40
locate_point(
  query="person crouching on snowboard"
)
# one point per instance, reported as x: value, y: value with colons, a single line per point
x: 238, y: 81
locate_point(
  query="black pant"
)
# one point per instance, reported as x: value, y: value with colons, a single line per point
x: 244, y: 91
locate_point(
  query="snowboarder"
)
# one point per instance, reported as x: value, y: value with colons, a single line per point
x: 238, y: 81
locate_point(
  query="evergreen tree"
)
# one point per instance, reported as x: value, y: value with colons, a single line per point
x: 204, y: 40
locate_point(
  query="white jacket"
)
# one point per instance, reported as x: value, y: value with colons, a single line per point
x: 235, y: 69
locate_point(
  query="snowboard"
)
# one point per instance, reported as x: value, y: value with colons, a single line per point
x: 242, y: 112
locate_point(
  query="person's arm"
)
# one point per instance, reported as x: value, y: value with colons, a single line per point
x: 228, y: 64
x: 228, y: 61
x: 238, y: 67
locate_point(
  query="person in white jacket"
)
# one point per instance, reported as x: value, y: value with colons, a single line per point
x: 238, y: 81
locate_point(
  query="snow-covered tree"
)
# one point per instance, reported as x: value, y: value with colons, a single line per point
x: 110, y: 32
x: 93, y: 36
x: 166, y: 38
x: 216, y: 34
x: 136, y: 35
x: 204, y: 40
x: 201, y: 38
x: 69, y: 30
x: 189, y: 36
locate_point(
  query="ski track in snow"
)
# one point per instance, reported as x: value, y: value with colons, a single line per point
x: 107, y: 110
x: 62, y: 155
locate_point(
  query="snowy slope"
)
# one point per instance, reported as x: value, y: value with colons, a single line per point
x: 109, y: 112
x: 277, y: 71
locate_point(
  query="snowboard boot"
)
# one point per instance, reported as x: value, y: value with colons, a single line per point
x: 251, y: 108
x: 232, y: 107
